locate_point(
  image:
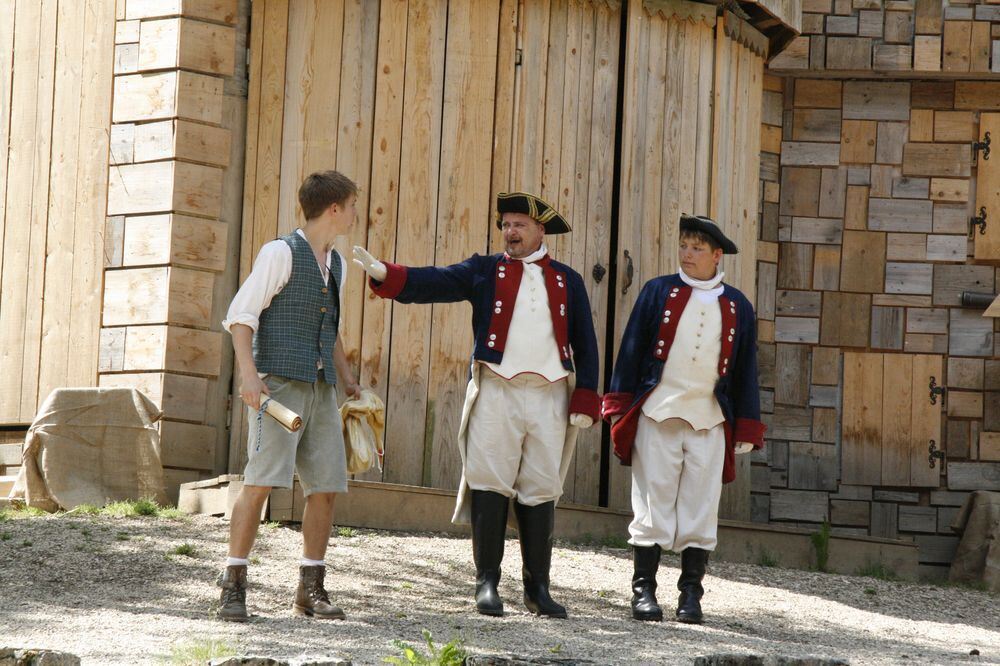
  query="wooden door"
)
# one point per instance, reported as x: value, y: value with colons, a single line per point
x: 434, y: 107
x: 889, y: 420
x: 690, y: 144
x: 988, y: 190
x: 561, y: 145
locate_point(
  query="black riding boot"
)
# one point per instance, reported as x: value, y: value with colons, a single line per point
x: 693, y: 562
x: 535, y: 525
x: 489, y: 524
x: 646, y: 560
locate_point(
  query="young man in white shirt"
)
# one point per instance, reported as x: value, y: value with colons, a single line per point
x: 284, y: 323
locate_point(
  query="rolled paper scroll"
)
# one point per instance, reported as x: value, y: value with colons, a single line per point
x: 288, y: 419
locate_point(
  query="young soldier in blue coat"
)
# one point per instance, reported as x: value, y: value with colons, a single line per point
x: 533, y: 383
x: 684, y: 399
x: 284, y: 321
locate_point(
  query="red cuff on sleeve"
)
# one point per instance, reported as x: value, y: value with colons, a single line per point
x: 585, y: 401
x: 750, y: 430
x: 615, y: 404
x: 395, y: 278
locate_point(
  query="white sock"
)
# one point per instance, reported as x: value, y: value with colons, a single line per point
x: 306, y: 562
x: 237, y: 562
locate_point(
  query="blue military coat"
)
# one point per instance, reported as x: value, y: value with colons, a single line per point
x: 490, y: 283
x: 645, y: 346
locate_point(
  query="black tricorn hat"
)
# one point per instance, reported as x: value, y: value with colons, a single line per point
x: 532, y: 206
x: 709, y: 227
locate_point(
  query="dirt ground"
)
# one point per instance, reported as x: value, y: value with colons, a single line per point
x: 123, y: 591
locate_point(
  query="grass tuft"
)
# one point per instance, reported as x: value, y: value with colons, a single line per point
x: 451, y: 653
x: 877, y: 570
x: 185, y: 549
x: 200, y: 652
x: 821, y: 547
x: 616, y: 542
x: 767, y: 559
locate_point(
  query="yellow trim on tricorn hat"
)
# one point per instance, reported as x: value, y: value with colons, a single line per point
x: 533, y: 207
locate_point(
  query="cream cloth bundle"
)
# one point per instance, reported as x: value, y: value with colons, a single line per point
x: 364, y: 426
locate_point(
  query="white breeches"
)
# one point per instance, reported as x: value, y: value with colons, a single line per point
x: 517, y: 430
x: 676, y: 484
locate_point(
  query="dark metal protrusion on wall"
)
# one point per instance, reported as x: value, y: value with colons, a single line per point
x: 598, y: 273
x: 977, y: 299
x: 983, y: 145
x: 935, y: 390
x: 980, y: 221
x: 629, y: 272
x: 933, y: 452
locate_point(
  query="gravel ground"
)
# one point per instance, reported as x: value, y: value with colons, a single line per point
x: 110, y: 591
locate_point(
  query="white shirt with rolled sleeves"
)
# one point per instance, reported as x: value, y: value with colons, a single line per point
x: 270, y: 273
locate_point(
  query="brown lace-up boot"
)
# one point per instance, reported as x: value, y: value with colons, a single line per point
x: 311, y: 598
x: 233, y: 600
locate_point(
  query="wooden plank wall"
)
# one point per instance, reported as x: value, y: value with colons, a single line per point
x: 681, y: 63
x: 867, y: 220
x: 888, y: 285
x: 449, y: 121
x: 899, y: 37
x: 567, y: 154
x: 739, y: 70
x: 55, y: 80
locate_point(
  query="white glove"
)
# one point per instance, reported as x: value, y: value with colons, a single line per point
x: 743, y: 447
x: 375, y: 268
x: 580, y: 420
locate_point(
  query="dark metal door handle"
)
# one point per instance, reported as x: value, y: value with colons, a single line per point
x: 629, y: 271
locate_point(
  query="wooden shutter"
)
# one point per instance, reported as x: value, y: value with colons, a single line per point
x: 889, y: 420
x: 988, y: 190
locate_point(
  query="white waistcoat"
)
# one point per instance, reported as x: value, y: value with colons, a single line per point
x: 531, y: 340
x: 688, y: 379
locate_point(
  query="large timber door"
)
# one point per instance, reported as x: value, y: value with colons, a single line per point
x: 690, y: 144
x: 562, y: 144
x: 892, y: 420
x: 434, y: 107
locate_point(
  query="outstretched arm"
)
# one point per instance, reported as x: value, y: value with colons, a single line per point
x: 430, y: 284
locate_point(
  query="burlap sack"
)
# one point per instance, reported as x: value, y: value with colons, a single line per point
x: 364, y: 423
x: 977, y: 558
x: 91, y: 446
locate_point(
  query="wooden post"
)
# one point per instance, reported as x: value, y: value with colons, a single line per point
x: 172, y: 195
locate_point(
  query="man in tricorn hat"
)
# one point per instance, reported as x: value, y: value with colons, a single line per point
x: 684, y: 399
x: 533, y: 384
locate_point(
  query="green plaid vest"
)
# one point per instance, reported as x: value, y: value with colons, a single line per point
x: 300, y: 325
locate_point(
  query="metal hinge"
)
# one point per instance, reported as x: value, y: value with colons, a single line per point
x: 978, y: 221
x: 935, y: 390
x: 932, y: 453
x: 983, y: 145
x: 517, y: 57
